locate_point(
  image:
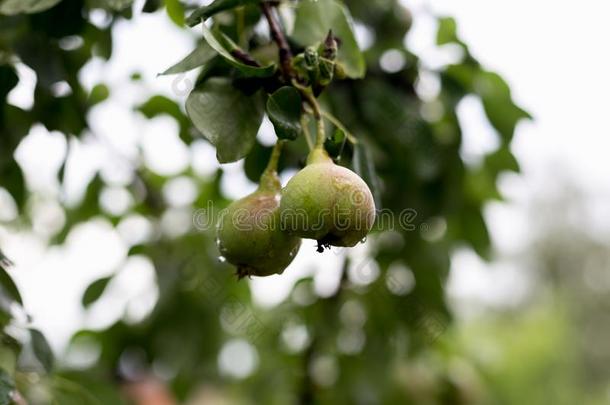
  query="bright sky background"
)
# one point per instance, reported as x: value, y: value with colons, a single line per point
x: 553, y: 54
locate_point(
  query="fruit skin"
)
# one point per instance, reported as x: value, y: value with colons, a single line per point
x: 328, y: 203
x: 249, y: 235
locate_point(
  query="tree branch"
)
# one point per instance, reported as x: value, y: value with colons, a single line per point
x: 245, y: 57
x: 278, y: 36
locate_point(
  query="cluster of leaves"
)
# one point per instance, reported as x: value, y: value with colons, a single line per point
x: 235, y: 90
x: 23, y: 349
x: 357, y: 340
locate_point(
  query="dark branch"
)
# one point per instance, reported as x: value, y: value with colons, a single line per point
x: 278, y: 36
x: 244, y: 57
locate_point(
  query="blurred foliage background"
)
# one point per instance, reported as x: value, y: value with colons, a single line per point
x: 386, y: 333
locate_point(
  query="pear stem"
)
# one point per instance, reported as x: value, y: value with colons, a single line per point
x: 305, y: 126
x: 275, y: 157
x: 307, y: 93
x: 317, y: 113
x: 321, y: 135
x: 269, y: 179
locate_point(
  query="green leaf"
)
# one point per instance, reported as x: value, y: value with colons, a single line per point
x: 12, y: 180
x: 87, y: 208
x: 7, y: 285
x: 256, y: 162
x: 246, y: 70
x: 42, y: 350
x: 8, y: 80
x: 480, y: 185
x: 118, y: 5
x: 458, y: 79
x: 499, y: 107
x: 364, y: 166
x: 226, y: 117
x: 335, y: 143
x: 199, y: 57
x: 501, y: 160
x: 95, y: 291
x: 7, y: 386
x: 447, y: 31
x: 313, y: 21
x: 202, y: 13
x: 12, y: 7
x: 175, y: 11
x: 284, y: 110
x: 98, y: 94
x: 475, y: 231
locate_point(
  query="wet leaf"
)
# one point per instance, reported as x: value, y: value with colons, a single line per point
x: 228, y: 118
x: 12, y: 7
x: 199, y: 57
x: 42, y: 350
x: 215, y: 40
x: 365, y: 167
x: 284, y: 111
x: 202, y: 13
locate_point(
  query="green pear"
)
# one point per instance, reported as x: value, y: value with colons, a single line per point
x: 249, y: 235
x: 328, y: 203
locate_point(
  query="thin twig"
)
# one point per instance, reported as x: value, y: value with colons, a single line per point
x: 278, y: 36
x: 286, y: 63
x: 305, y: 126
x: 313, y: 102
x: 335, y: 121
